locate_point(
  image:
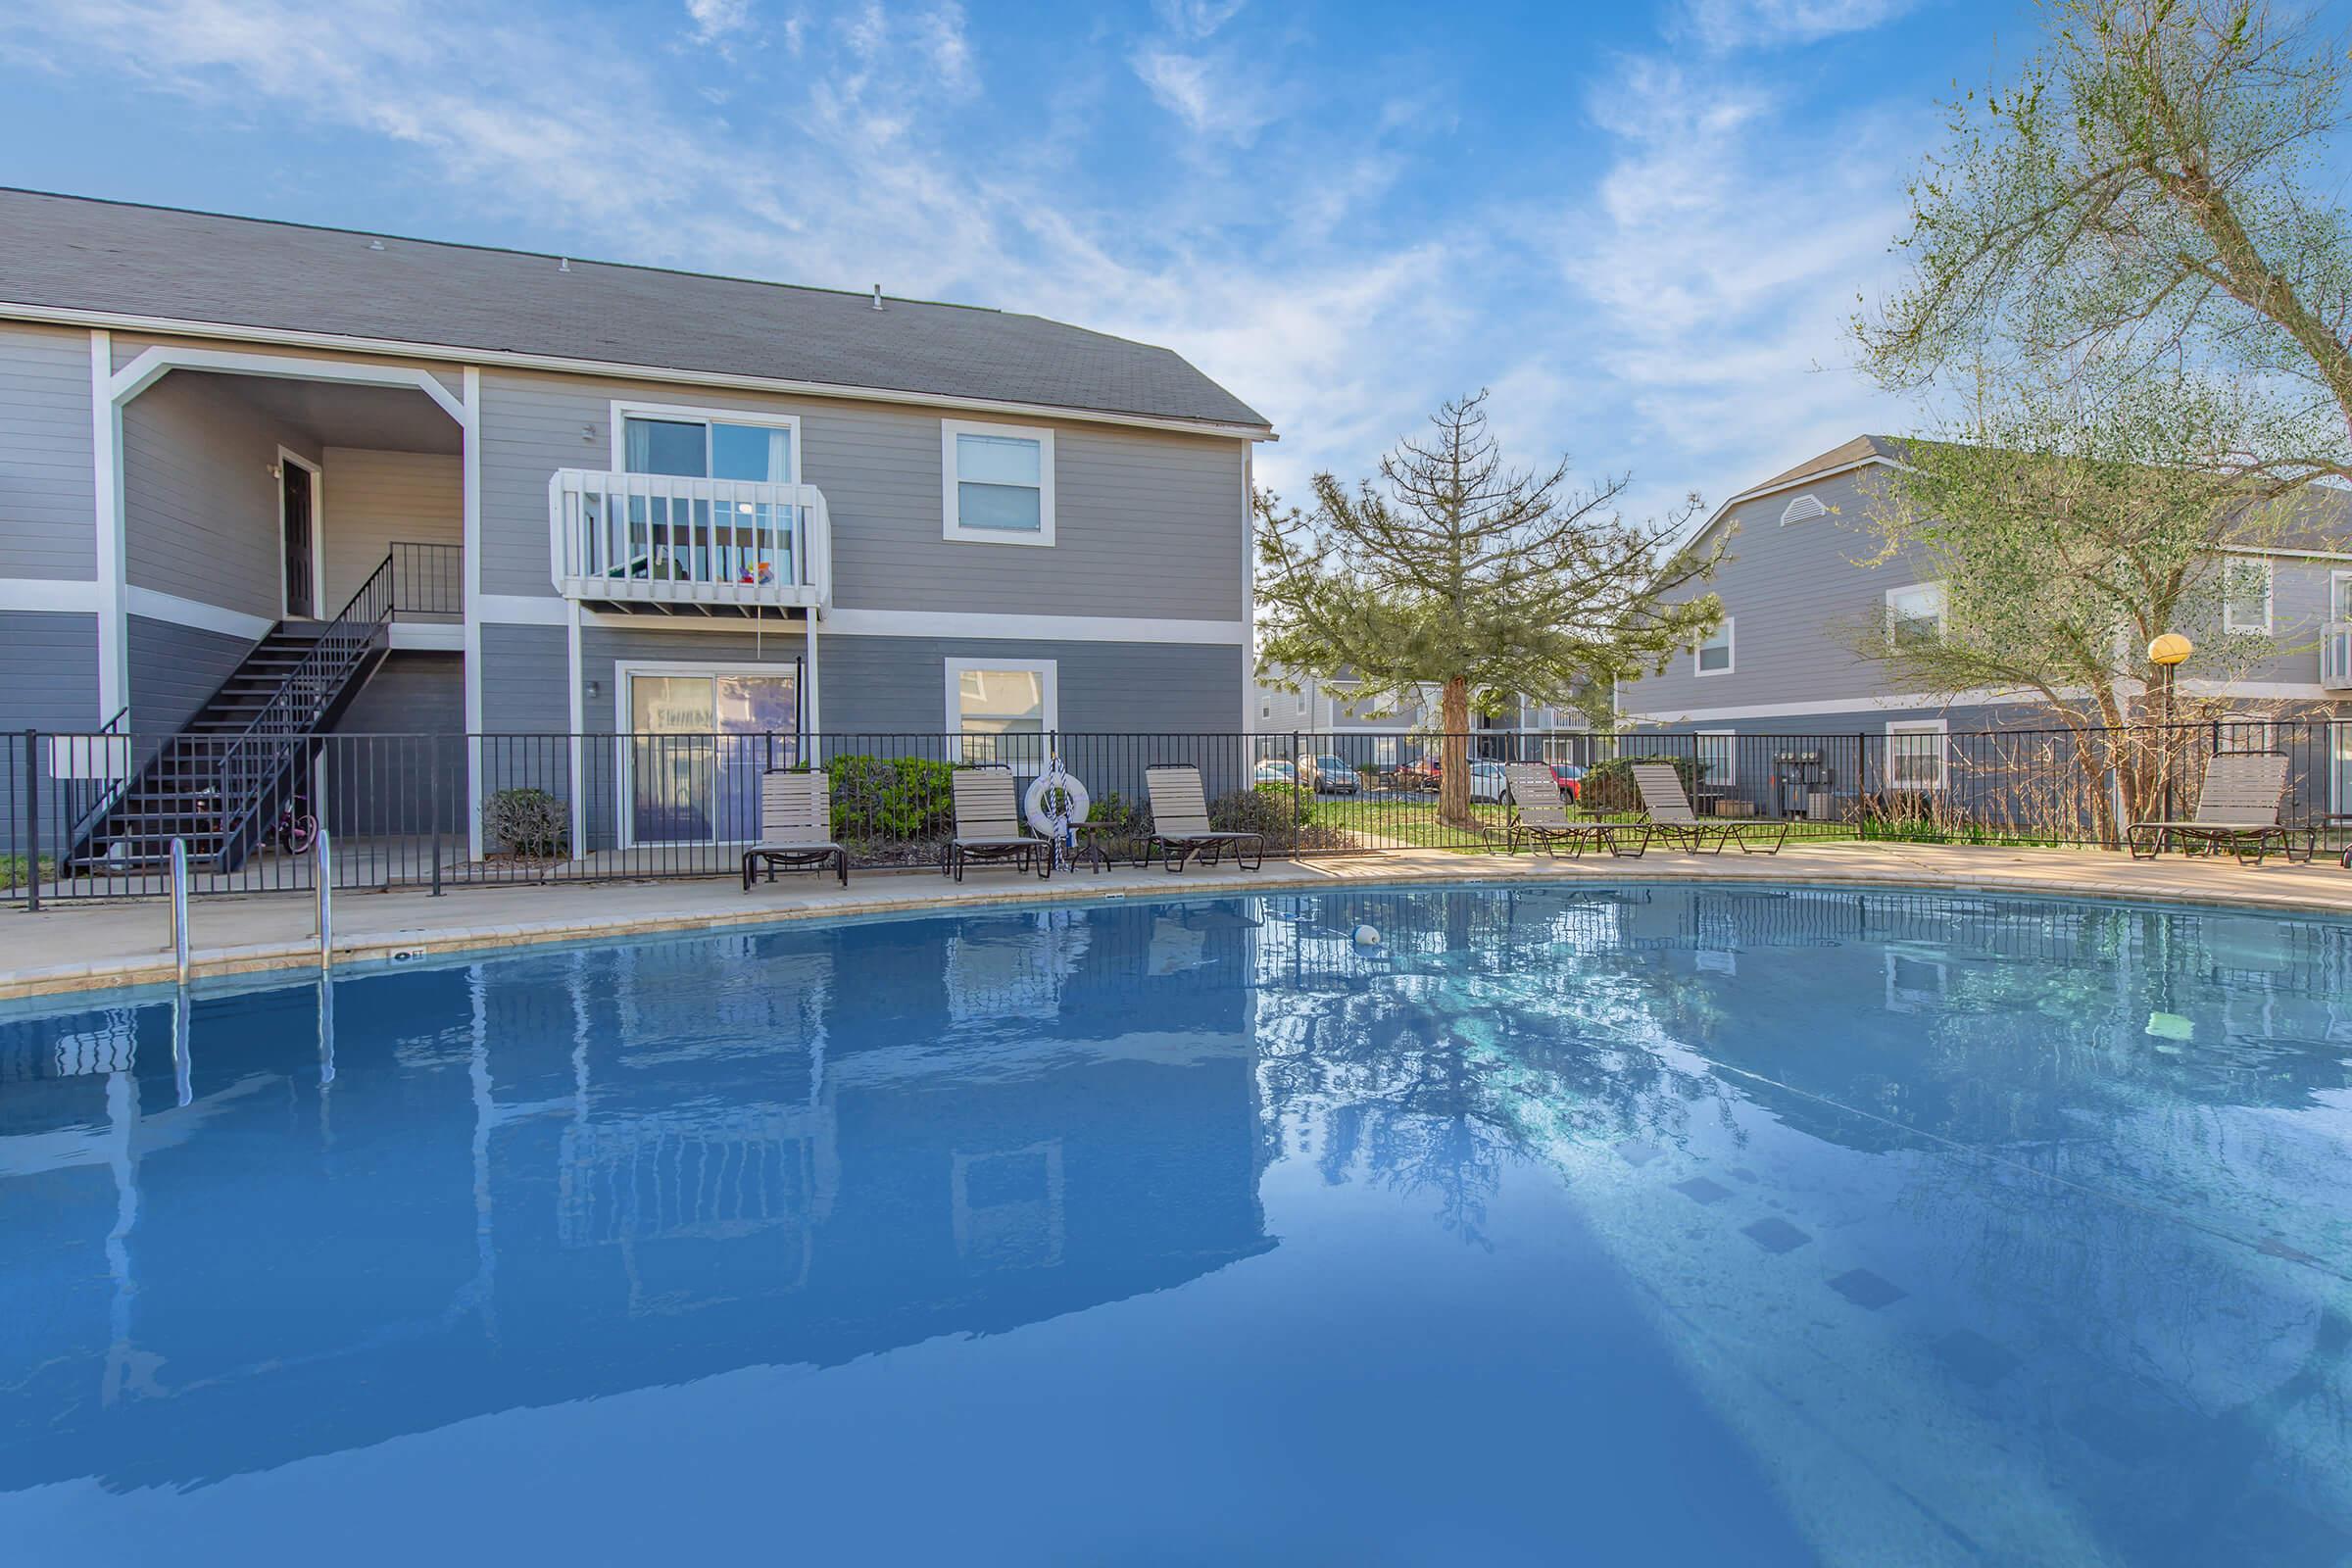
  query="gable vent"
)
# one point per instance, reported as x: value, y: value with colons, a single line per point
x: 1802, y: 507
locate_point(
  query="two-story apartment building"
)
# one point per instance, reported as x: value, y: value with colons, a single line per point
x: 568, y: 498
x: 1801, y: 584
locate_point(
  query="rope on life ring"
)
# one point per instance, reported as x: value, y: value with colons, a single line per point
x: 1034, y: 802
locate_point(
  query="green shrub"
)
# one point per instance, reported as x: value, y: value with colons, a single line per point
x: 1609, y: 786
x: 532, y: 824
x: 1275, y: 810
x: 882, y: 799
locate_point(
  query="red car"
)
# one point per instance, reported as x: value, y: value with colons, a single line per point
x: 1570, y: 778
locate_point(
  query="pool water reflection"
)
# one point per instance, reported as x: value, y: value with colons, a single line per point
x: 1660, y: 1224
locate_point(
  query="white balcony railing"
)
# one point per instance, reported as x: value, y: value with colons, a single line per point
x: 665, y: 541
x: 2335, y: 657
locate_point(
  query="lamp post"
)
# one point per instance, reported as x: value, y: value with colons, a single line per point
x: 2166, y: 653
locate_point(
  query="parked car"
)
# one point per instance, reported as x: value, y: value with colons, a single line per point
x: 1274, y: 770
x: 1486, y: 781
x: 1570, y: 778
x: 1333, y: 775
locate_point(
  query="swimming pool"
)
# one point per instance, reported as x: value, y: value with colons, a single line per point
x: 1640, y: 1224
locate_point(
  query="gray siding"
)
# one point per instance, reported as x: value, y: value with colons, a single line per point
x: 375, y: 499
x: 48, y: 671
x: 48, y: 505
x: 388, y: 775
x: 895, y: 684
x: 199, y: 506
x: 1146, y: 525
x: 174, y: 668
x: 1798, y: 595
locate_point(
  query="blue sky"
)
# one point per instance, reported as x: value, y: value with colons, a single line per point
x: 1641, y: 225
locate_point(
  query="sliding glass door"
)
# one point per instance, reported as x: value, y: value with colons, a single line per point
x: 698, y: 742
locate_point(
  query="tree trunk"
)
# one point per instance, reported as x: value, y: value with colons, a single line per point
x: 1454, y: 788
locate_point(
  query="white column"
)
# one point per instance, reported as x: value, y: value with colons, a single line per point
x: 578, y: 715
x: 472, y: 540
x: 811, y: 705
x: 113, y: 568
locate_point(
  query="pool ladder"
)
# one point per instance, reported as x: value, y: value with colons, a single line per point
x: 323, y: 877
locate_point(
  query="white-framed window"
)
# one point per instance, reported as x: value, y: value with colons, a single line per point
x: 998, y: 486
x: 2246, y: 595
x: 1384, y: 751
x: 1713, y: 656
x: 2340, y: 595
x: 1000, y: 709
x: 1915, y: 754
x: 1266, y: 710
x: 1914, y: 613
x: 699, y: 443
x: 1718, y: 757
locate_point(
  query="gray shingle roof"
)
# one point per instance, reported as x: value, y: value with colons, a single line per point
x: 73, y: 253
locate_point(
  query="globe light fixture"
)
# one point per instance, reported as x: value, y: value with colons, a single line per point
x: 2169, y: 650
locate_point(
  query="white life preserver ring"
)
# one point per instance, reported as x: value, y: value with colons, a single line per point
x: 1034, y: 802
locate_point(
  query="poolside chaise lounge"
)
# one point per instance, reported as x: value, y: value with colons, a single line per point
x: 796, y: 831
x: 2238, y: 810
x: 1540, y: 815
x: 1668, y: 810
x: 989, y: 828
x: 1180, y: 823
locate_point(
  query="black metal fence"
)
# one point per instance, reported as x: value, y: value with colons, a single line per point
x: 578, y: 807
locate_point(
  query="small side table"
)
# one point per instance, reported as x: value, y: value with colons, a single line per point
x: 1094, y: 842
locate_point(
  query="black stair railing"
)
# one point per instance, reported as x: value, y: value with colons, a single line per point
x: 427, y: 579
x: 251, y: 767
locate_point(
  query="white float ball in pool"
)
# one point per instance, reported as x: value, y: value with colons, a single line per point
x: 1367, y: 936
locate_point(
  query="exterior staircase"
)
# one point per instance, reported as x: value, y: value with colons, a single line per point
x: 223, y: 780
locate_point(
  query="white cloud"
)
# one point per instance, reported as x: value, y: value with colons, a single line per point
x: 717, y: 19
x: 1197, y: 19
x: 1209, y: 92
x: 1727, y: 24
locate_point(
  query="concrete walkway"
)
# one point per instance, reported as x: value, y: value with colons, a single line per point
x: 88, y: 946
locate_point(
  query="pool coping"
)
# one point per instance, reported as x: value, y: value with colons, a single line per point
x: 700, y: 908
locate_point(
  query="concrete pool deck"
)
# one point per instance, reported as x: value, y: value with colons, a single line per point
x: 98, y: 944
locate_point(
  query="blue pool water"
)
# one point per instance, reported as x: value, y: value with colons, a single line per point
x: 1647, y: 1225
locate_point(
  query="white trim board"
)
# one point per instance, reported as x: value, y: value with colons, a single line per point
x: 1043, y: 628
x: 178, y: 326
x: 525, y: 609
x: 148, y: 604
x: 68, y: 595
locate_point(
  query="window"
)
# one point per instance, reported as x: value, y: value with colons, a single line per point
x: 698, y: 740
x: 1915, y: 755
x: 1000, y: 482
x: 2339, y: 595
x: 1913, y: 981
x: 704, y: 443
x: 1914, y: 613
x: 1714, y: 656
x: 2246, y: 601
x: 1000, y: 711
x: 1384, y: 752
x: 1718, y: 753
x: 1266, y: 710
x: 736, y: 538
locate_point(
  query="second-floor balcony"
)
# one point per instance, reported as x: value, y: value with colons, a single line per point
x: 682, y: 546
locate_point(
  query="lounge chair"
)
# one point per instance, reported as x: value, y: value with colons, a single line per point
x: 2238, y: 810
x: 988, y: 826
x: 1540, y: 815
x: 796, y: 830
x: 1180, y: 823
x: 1671, y: 817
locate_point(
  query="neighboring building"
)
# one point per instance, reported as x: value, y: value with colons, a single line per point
x: 1795, y: 586
x: 588, y: 499
x: 1390, y: 731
